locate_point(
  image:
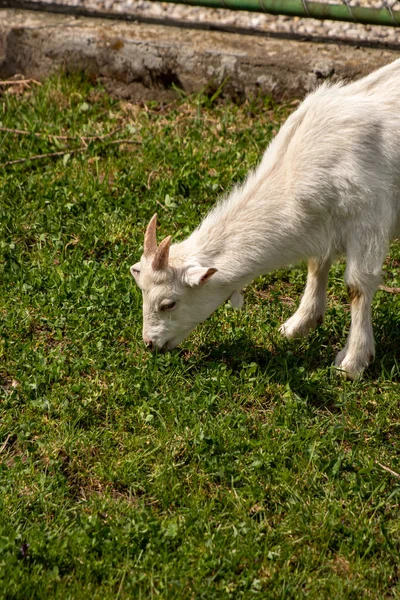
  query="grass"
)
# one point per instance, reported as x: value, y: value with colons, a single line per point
x: 238, y: 467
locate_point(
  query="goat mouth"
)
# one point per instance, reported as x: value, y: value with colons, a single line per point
x: 162, y: 349
x: 169, y: 345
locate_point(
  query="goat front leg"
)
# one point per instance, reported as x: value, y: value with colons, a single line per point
x: 313, y: 303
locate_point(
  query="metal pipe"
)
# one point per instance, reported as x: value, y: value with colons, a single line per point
x: 291, y: 8
x: 302, y: 8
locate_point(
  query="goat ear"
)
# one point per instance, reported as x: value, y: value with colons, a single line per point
x: 135, y: 272
x: 199, y: 275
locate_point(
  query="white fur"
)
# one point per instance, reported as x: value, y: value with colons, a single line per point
x: 328, y: 184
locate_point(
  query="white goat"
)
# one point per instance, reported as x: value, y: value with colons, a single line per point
x: 328, y: 184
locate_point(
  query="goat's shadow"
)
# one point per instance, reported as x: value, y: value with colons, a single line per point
x: 286, y: 363
x: 294, y: 363
x: 387, y: 342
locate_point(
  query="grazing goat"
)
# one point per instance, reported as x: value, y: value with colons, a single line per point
x: 328, y: 184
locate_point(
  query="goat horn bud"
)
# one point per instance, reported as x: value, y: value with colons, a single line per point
x: 150, y: 239
x: 160, y: 260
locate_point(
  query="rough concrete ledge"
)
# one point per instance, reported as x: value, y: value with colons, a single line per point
x: 142, y: 61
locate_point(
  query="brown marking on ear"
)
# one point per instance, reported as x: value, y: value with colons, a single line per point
x: 160, y: 260
x: 150, y: 239
x: 207, y: 275
x: 354, y: 293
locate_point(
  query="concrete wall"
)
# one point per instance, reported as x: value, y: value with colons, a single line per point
x: 141, y: 61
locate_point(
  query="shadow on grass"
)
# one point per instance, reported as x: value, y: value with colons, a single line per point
x: 296, y: 366
x: 387, y: 343
x: 306, y: 366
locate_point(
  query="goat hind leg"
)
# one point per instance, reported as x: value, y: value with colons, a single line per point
x: 359, y: 350
x: 313, y: 303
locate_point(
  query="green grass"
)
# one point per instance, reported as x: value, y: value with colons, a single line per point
x: 240, y: 466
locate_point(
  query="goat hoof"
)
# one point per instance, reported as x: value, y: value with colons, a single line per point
x: 298, y: 326
x: 349, y: 367
x: 340, y: 357
x: 291, y: 332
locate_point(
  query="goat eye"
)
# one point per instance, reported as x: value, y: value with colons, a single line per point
x: 168, y: 306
